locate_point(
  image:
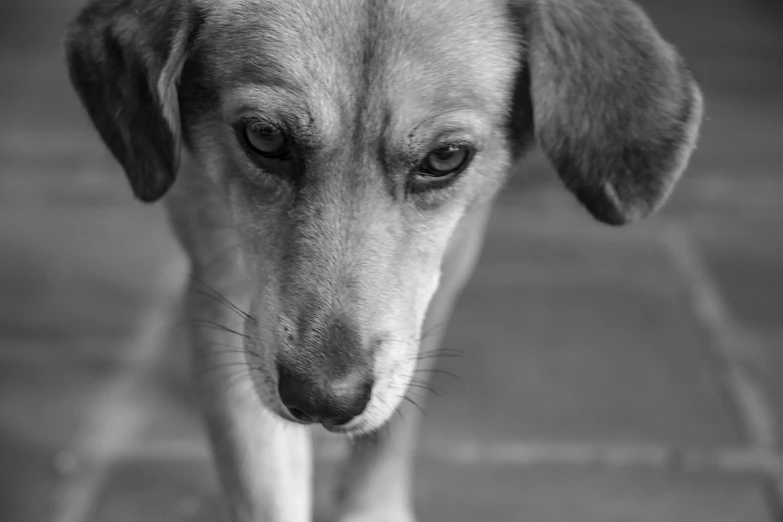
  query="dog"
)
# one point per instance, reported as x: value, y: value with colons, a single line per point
x: 329, y: 166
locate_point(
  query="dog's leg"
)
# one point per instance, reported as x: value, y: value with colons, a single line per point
x: 376, y: 484
x: 264, y: 464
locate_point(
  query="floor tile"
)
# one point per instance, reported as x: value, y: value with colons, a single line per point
x: 593, y: 359
x: 453, y: 494
x: 186, y: 491
x: 589, y: 340
x: 78, y: 275
x: 745, y: 258
x: 565, y: 338
x: 176, y: 491
x: 42, y: 411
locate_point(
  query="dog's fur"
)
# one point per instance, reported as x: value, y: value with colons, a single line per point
x: 334, y: 261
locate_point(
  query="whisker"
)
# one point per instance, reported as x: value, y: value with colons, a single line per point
x: 400, y: 341
x: 395, y: 411
x: 228, y: 304
x: 230, y: 349
x: 398, y: 411
x: 426, y: 388
x: 411, y: 401
x: 236, y: 377
x: 428, y: 357
x: 221, y: 366
x: 459, y: 351
x: 222, y: 255
x: 429, y: 388
x: 222, y: 298
x: 213, y: 325
x: 430, y: 354
x: 441, y: 325
x: 216, y: 352
x: 414, y: 391
x: 440, y: 372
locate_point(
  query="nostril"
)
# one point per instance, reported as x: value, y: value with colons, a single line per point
x: 294, y: 394
x: 338, y: 421
x: 299, y: 414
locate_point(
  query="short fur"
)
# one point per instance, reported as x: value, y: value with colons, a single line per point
x: 330, y: 264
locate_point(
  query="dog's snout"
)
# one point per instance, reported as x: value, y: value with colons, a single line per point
x: 332, y: 402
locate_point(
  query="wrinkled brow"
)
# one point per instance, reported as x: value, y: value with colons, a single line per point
x: 304, y: 114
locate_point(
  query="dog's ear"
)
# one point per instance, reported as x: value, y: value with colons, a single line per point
x: 124, y: 60
x: 611, y: 103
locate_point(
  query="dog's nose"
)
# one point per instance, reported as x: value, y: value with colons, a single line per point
x: 330, y: 402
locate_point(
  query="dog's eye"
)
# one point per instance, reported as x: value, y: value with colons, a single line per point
x: 267, y: 140
x: 445, y: 161
x: 440, y: 167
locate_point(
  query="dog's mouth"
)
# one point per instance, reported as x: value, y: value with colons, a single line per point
x: 352, y: 427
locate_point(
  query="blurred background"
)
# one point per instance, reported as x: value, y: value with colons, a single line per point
x: 609, y: 375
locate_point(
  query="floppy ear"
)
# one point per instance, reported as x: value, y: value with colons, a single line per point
x: 611, y: 103
x: 124, y: 60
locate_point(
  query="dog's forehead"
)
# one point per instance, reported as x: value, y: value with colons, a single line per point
x: 420, y: 56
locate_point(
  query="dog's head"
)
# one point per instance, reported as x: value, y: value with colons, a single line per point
x: 350, y: 136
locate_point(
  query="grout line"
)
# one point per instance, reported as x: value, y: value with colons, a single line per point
x: 726, y: 340
x: 568, y: 222
x: 169, y: 449
x: 505, y: 274
x: 613, y: 456
x: 32, y: 352
x: 773, y: 496
x: 117, y: 417
x: 725, y: 459
x: 707, y: 299
x: 754, y: 404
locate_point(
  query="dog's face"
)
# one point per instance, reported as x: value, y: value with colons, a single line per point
x: 350, y: 137
x: 349, y: 146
